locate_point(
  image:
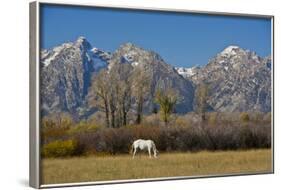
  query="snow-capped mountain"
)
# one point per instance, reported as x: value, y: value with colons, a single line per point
x: 97, y: 56
x: 239, y: 80
x: 127, y: 53
x: 66, y: 74
x: 100, y: 57
x: 162, y: 75
x: 67, y: 71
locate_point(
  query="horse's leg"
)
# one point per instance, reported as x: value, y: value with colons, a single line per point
x: 149, y: 152
x: 155, y: 153
x: 135, y: 150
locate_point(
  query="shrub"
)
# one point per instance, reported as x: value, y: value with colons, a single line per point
x: 153, y: 119
x: 221, y: 132
x: 212, y: 119
x: 244, y: 117
x: 256, y: 117
x: 60, y: 148
x: 182, y: 121
x: 49, y: 134
x: 83, y: 126
x: 193, y: 138
x: 267, y: 117
x: 97, y: 119
x: 55, y: 127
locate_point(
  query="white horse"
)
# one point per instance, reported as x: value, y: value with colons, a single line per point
x: 144, y: 144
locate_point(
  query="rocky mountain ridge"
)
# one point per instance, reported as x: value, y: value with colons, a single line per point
x: 239, y: 80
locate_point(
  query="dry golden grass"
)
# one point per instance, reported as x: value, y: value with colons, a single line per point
x: 92, y: 168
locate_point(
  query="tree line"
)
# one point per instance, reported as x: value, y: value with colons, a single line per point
x: 122, y: 88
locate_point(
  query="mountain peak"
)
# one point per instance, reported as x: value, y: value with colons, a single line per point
x: 98, y: 53
x: 82, y: 41
x: 230, y: 49
x: 128, y: 44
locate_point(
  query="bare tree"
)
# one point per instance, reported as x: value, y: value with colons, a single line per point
x: 141, y: 85
x: 113, y: 96
x: 126, y: 103
x: 99, y: 94
x: 125, y: 95
x: 123, y: 102
x: 111, y: 93
x: 121, y: 93
x: 201, y: 95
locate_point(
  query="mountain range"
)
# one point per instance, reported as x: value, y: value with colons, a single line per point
x: 238, y: 79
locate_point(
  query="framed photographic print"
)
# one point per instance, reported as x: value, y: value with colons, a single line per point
x: 133, y: 94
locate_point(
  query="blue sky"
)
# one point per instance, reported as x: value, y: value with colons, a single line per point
x: 181, y: 39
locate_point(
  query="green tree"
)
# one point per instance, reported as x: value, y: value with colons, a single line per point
x: 167, y: 100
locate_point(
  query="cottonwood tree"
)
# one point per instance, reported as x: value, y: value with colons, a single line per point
x: 112, y: 94
x: 125, y: 91
x: 99, y: 94
x: 120, y: 93
x: 125, y: 101
x: 116, y: 89
x: 141, y: 88
x: 167, y: 99
x: 201, y: 95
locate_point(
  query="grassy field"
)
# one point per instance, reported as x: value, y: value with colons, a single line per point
x: 92, y: 168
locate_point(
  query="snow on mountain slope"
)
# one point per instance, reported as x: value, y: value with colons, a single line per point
x: 66, y: 74
x: 230, y: 50
x: 238, y: 80
x: 95, y: 55
x: 187, y: 72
